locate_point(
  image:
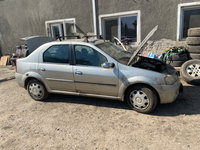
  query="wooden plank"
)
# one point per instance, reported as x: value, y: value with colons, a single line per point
x: 4, y: 60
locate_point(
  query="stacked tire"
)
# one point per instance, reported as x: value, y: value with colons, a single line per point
x: 190, y: 70
x: 193, y: 43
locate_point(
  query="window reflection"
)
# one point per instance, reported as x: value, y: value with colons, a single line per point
x: 191, y: 20
x: 129, y: 28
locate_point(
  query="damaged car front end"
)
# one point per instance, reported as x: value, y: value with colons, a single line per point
x: 167, y: 82
x: 143, y: 70
x: 138, y: 71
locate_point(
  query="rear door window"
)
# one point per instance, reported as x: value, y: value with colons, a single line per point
x: 57, y: 54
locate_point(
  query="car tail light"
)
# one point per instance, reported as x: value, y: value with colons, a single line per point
x: 16, y: 65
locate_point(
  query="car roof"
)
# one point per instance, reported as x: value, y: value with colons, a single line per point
x: 77, y: 41
x: 34, y: 55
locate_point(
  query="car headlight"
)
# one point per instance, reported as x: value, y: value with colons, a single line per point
x: 169, y: 79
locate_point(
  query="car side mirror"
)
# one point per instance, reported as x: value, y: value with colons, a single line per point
x: 108, y: 65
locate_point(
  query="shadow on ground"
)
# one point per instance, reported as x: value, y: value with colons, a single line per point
x: 188, y: 103
x: 87, y: 101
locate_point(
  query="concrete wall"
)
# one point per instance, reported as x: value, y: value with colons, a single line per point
x: 21, y: 18
x: 153, y: 12
x: 0, y: 45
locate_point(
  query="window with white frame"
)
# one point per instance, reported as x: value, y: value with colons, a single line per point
x: 188, y: 17
x: 63, y: 28
x: 121, y: 25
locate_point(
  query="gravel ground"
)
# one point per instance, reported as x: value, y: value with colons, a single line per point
x: 70, y: 122
x: 6, y: 72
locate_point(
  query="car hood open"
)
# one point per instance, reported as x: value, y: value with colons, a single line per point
x: 142, y: 44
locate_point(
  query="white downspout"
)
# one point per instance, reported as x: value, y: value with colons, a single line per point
x: 94, y: 16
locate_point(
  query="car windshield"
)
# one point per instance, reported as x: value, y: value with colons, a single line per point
x: 115, y: 51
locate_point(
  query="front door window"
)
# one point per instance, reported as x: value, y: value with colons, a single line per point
x: 88, y: 57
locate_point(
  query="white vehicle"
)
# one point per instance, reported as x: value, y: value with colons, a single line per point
x: 99, y: 69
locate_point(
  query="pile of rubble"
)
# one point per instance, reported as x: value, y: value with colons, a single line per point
x: 158, y: 47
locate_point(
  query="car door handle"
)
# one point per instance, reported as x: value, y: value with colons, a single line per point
x: 42, y: 69
x: 78, y: 73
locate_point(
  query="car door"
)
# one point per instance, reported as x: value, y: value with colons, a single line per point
x: 90, y: 77
x: 55, y: 68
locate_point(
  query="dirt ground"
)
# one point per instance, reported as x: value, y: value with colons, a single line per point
x: 6, y: 72
x: 69, y: 122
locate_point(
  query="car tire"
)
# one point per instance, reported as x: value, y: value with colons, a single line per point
x: 193, y: 49
x: 37, y: 90
x: 178, y: 57
x: 194, y: 56
x: 194, y: 32
x: 142, y: 98
x: 175, y: 63
x: 193, y: 40
x: 190, y: 71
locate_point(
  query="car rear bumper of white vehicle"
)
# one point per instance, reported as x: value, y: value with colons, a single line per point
x: 19, y: 77
x: 169, y: 93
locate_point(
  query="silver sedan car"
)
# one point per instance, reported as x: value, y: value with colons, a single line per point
x: 98, y: 69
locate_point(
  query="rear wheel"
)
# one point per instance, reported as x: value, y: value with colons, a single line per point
x: 37, y: 90
x: 142, y: 98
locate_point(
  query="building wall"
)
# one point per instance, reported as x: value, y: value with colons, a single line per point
x: 21, y: 18
x: 153, y: 12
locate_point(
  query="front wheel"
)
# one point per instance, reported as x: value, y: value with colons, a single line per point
x: 142, y: 98
x: 37, y: 90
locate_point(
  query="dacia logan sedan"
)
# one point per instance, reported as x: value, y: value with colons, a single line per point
x: 97, y: 69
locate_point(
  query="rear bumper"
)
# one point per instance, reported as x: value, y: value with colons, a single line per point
x: 19, y: 79
x: 169, y: 93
